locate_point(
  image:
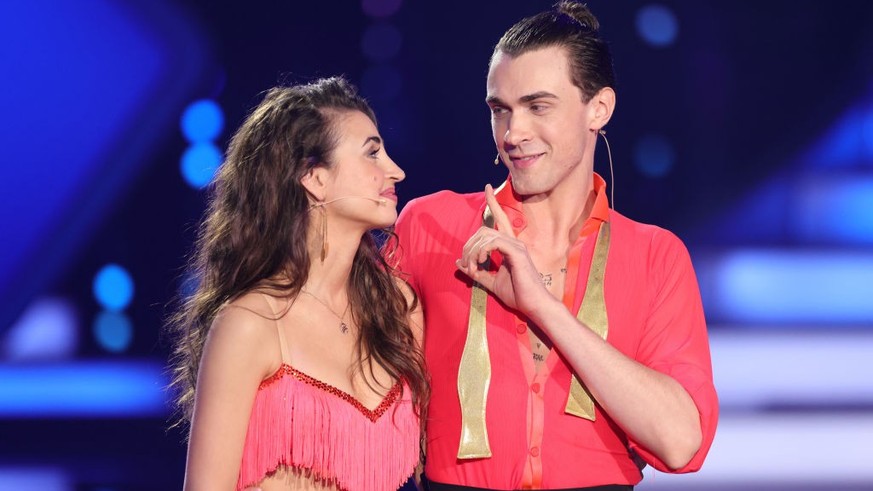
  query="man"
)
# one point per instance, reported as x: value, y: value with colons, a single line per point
x: 567, y: 344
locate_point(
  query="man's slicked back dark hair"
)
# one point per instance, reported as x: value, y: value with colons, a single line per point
x: 572, y: 26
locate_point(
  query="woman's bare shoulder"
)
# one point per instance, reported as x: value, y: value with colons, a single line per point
x: 246, y: 327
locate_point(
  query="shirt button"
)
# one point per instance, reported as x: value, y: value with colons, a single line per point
x: 521, y: 328
x: 535, y: 451
x: 517, y: 222
x: 535, y: 388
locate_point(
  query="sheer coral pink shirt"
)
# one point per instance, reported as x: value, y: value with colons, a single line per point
x: 655, y: 317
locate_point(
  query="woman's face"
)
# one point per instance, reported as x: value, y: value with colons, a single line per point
x: 363, y: 176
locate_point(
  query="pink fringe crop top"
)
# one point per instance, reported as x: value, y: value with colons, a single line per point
x: 300, y: 422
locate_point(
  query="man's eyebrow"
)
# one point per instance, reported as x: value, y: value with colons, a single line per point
x: 537, y: 95
x: 494, y: 100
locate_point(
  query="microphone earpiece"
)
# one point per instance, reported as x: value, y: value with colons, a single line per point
x: 379, y: 201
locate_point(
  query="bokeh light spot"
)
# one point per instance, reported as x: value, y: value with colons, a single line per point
x: 113, y: 331
x: 657, y: 25
x: 654, y: 156
x: 47, y: 330
x: 202, y: 121
x: 199, y: 163
x: 113, y: 287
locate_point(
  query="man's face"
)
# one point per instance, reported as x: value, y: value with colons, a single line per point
x: 538, y: 120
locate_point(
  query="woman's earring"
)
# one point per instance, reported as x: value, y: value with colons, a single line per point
x: 324, y: 245
x: 497, y: 159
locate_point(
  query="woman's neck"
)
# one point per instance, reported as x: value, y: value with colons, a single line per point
x: 329, y: 275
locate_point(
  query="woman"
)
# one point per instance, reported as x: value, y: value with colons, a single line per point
x: 297, y: 358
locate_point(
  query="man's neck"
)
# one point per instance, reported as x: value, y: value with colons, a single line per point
x: 555, y: 219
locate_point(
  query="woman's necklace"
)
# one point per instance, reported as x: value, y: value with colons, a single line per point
x: 342, y: 318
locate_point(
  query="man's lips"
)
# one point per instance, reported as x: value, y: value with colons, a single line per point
x: 523, y: 161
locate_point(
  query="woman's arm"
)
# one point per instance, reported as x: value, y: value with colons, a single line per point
x: 416, y: 323
x: 416, y: 316
x: 235, y: 359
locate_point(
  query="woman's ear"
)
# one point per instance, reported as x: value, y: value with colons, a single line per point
x: 315, y: 182
x: 602, y: 106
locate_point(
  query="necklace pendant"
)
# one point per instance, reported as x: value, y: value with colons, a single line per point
x: 343, y: 327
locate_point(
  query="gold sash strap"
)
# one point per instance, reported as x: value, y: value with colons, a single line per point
x: 592, y: 313
x: 474, y: 374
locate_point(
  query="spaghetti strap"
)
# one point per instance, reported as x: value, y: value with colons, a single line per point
x: 272, y: 303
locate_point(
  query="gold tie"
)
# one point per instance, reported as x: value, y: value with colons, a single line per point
x: 474, y: 372
x: 592, y: 313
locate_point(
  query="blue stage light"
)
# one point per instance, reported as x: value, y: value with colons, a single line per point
x: 113, y: 331
x: 83, y: 389
x: 199, y: 163
x: 71, y: 155
x: 113, y: 287
x: 867, y: 134
x: 188, y: 286
x: 654, y: 156
x: 42, y: 477
x: 792, y: 288
x: 657, y: 25
x: 202, y: 121
x: 48, y: 329
x: 834, y: 208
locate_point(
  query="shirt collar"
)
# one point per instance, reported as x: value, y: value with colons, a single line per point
x: 512, y: 206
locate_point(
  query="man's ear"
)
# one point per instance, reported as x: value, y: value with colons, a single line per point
x: 602, y: 106
x: 315, y: 182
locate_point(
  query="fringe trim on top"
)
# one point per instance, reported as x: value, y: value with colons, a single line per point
x: 300, y: 422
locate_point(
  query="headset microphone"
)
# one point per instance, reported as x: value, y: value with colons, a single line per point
x: 379, y: 201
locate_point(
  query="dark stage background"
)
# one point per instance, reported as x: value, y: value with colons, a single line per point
x: 744, y: 127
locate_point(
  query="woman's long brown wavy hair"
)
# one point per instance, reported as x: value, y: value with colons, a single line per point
x: 254, y: 236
